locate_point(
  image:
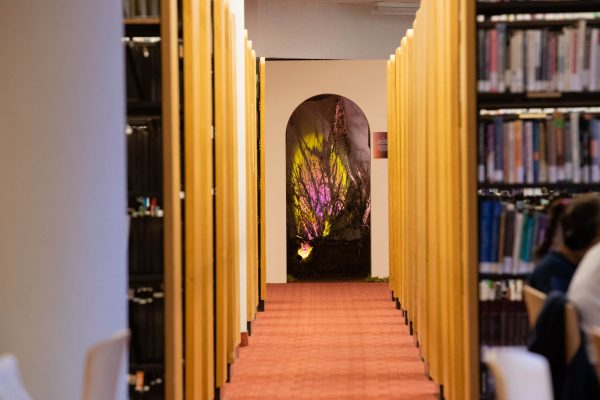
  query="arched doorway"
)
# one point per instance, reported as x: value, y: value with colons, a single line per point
x: 328, y: 190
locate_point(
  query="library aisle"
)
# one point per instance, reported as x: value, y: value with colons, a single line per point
x: 329, y: 341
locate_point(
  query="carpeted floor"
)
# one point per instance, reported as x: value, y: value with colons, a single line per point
x: 329, y: 341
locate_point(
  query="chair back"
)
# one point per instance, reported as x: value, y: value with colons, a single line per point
x: 572, y: 332
x: 520, y: 375
x: 11, y: 386
x: 595, y: 337
x: 104, y: 368
x: 534, y: 301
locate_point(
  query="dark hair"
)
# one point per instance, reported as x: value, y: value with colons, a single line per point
x: 555, y: 213
x: 580, y: 222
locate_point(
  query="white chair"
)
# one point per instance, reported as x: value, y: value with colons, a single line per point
x: 520, y: 375
x: 104, y: 368
x: 11, y: 386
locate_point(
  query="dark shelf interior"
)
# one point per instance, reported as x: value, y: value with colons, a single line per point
x: 145, y: 278
x: 499, y: 277
x: 538, y: 100
x: 541, y: 6
x: 146, y: 367
x: 582, y: 187
x: 144, y: 108
x: 139, y: 29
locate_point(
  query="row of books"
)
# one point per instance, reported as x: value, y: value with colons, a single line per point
x: 144, y: 158
x: 503, y: 315
x: 559, y: 148
x: 141, y: 8
x: 146, y: 321
x: 509, y: 233
x: 143, y: 69
x: 146, y: 245
x: 539, y: 60
x: 146, y: 385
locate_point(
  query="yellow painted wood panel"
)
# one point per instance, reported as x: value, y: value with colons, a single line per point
x: 222, y: 191
x: 263, y: 211
x: 199, y: 338
x: 172, y: 205
x: 433, y: 203
x: 468, y: 193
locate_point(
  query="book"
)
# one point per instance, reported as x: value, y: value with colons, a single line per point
x: 560, y: 148
x: 485, y: 240
x: 503, y: 316
x: 509, y: 234
x: 538, y: 59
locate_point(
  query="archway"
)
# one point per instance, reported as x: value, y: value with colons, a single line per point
x: 328, y: 190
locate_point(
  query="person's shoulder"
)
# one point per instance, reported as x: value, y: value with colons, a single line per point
x: 549, y: 261
x: 593, y: 254
x: 587, y: 272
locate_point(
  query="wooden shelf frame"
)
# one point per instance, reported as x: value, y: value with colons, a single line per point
x: 142, y: 21
x: 537, y: 24
x: 492, y: 101
x: 502, y: 276
x: 567, y: 186
x: 534, y: 7
x: 173, y: 240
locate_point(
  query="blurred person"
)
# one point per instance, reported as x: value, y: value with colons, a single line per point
x: 574, y: 228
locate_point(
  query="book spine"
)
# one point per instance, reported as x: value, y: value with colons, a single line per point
x: 498, y: 149
x: 491, y: 157
x: 593, y: 72
x: 584, y: 146
x: 501, y: 65
x: 509, y: 240
x: 543, y: 152
x: 594, y: 150
x: 528, y: 146
x: 536, y: 152
x: 575, y: 150
x: 517, y: 242
x: 495, y: 235
x: 520, y: 171
x: 580, y: 73
x: 485, y: 236
x: 512, y: 176
x: 481, y: 60
x: 481, y: 151
x: 560, y: 147
x: 501, y: 239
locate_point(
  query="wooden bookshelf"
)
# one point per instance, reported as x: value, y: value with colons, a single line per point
x: 534, y: 7
x: 433, y: 194
x: 566, y: 186
x: 537, y: 24
x: 168, y: 109
x: 534, y: 101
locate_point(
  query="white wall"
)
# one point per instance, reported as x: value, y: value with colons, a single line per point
x: 289, y: 83
x: 63, y: 202
x: 315, y: 29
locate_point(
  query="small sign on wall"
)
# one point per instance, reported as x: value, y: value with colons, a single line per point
x: 380, y: 148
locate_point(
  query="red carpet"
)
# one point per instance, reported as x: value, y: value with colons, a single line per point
x: 329, y: 341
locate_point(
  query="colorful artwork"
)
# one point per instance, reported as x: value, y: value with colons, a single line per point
x: 380, y: 145
x: 328, y: 199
